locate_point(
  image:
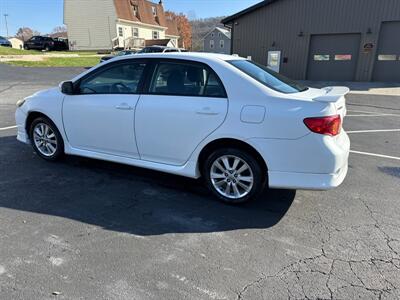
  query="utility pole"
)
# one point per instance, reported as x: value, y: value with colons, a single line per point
x: 5, y: 18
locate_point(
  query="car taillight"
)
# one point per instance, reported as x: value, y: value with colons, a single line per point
x: 329, y: 125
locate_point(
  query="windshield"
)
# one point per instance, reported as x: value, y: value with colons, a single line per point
x: 268, y: 77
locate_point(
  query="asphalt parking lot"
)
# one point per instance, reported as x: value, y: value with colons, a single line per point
x: 86, y: 229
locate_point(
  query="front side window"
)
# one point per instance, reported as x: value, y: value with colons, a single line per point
x: 221, y: 43
x: 118, y: 79
x: 120, y: 31
x: 155, y: 35
x: 268, y: 77
x: 154, y: 10
x: 212, y: 44
x: 186, y: 79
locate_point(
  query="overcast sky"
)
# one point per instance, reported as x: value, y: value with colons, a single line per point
x: 44, y: 15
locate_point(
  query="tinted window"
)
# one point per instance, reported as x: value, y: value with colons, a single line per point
x: 118, y: 79
x: 153, y: 50
x: 186, y: 79
x: 268, y: 77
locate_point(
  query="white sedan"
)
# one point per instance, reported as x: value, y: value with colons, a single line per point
x: 229, y: 120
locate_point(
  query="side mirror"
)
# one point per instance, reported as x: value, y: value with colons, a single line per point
x: 67, y: 87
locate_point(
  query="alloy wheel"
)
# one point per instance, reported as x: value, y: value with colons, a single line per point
x: 45, y: 139
x: 231, y: 176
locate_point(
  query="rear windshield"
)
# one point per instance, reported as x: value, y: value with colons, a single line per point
x: 268, y: 77
x: 152, y: 50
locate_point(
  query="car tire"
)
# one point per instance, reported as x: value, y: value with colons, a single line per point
x: 237, y: 169
x: 47, y: 48
x: 46, y: 140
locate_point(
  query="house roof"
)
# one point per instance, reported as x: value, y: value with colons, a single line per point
x: 59, y: 35
x: 124, y: 9
x: 224, y: 31
x: 246, y: 11
x: 160, y: 42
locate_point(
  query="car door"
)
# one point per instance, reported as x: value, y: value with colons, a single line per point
x: 184, y: 103
x: 100, y: 115
x: 38, y: 43
x: 31, y: 42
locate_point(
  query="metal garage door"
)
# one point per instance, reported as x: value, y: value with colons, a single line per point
x: 333, y: 57
x: 387, y: 64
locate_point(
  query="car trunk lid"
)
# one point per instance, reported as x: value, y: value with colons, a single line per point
x: 336, y: 96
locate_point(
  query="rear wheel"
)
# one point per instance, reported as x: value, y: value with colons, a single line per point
x: 46, y: 139
x: 233, y: 175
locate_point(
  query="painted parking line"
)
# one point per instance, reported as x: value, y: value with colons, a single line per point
x: 374, y: 130
x: 374, y: 154
x: 363, y: 111
x: 7, y: 128
x: 375, y: 115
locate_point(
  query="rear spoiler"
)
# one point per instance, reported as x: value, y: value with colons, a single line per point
x: 333, y: 93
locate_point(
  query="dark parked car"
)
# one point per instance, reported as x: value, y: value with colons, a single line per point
x: 4, y: 42
x: 160, y: 49
x: 44, y: 43
x: 120, y: 53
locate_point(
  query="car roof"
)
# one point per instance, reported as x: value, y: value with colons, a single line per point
x: 195, y: 56
x: 186, y: 55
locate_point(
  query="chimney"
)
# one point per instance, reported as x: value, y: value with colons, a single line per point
x: 161, y: 3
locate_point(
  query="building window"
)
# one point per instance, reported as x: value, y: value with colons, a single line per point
x: 156, y: 35
x: 212, y: 44
x: 135, y: 32
x: 135, y: 10
x: 120, y: 31
x: 212, y: 34
x: 219, y: 34
x: 386, y: 57
x: 321, y: 57
x: 222, y: 43
x: 343, y: 57
x: 154, y: 11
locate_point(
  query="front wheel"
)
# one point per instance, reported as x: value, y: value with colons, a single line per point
x: 233, y: 175
x: 46, y: 139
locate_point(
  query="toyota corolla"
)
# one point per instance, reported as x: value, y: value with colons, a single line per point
x: 237, y: 124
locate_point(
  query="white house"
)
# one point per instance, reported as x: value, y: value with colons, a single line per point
x: 16, y: 43
x: 117, y: 24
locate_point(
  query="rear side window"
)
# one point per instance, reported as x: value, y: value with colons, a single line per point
x: 118, y: 79
x: 268, y: 77
x: 186, y: 79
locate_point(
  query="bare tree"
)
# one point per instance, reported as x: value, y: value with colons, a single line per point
x: 25, y: 33
x: 59, y: 29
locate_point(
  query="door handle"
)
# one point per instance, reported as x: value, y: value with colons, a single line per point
x: 207, y: 111
x: 124, y: 106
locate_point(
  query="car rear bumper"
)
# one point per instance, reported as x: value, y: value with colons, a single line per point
x: 306, y: 181
x: 316, y: 162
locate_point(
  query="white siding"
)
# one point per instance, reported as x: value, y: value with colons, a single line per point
x: 145, y: 31
x: 91, y: 24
